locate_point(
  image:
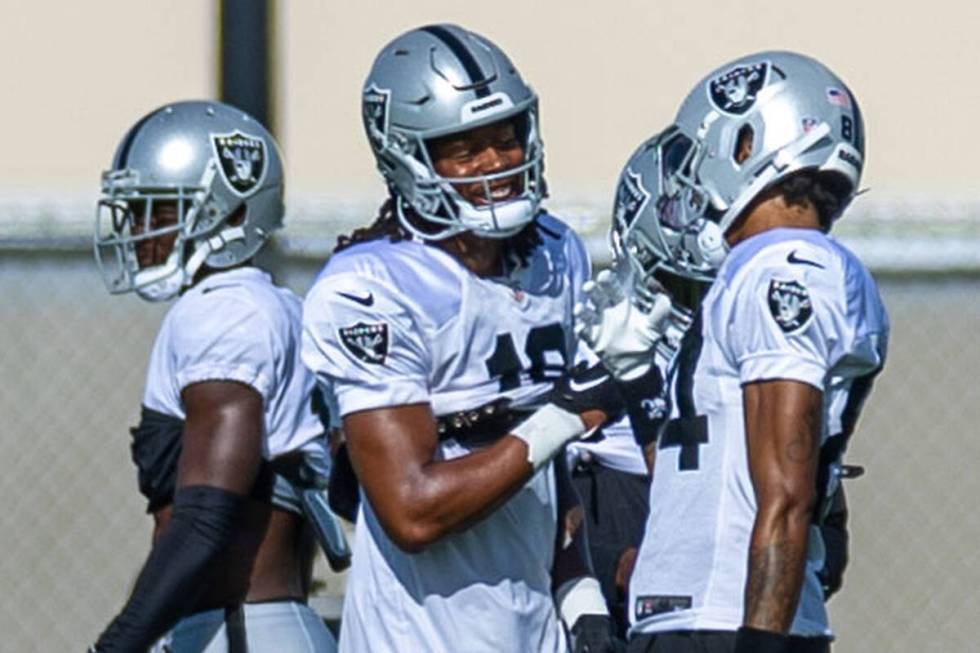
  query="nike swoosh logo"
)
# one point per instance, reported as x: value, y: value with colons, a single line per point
x: 793, y: 258
x: 209, y: 289
x: 363, y: 300
x: 588, y: 385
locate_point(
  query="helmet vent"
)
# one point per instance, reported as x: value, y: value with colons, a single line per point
x: 743, y: 144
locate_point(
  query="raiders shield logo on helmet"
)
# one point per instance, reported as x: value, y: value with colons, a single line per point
x: 631, y: 197
x: 375, y: 108
x: 789, y: 303
x: 242, y: 160
x: 735, y: 91
x: 368, y: 342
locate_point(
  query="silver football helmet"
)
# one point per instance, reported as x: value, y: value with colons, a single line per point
x: 218, y: 170
x: 643, y: 247
x: 637, y: 238
x: 787, y: 113
x: 440, y: 80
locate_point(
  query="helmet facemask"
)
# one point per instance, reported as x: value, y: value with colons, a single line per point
x: 407, y: 164
x: 440, y: 81
x: 125, y: 222
x: 650, y: 231
x: 218, y: 175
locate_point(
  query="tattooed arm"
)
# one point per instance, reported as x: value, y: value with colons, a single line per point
x: 782, y: 426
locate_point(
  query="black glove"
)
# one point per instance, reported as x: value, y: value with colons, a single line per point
x: 593, y: 633
x: 753, y: 640
x: 645, y: 402
x: 585, y: 388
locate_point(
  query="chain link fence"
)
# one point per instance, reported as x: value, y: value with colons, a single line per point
x: 74, y: 533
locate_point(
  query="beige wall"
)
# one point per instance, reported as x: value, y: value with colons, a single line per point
x: 76, y: 74
x: 609, y: 73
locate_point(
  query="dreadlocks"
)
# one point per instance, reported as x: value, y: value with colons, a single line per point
x: 517, y: 249
x: 384, y: 226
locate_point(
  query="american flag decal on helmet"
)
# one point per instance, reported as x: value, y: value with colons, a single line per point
x: 839, y: 98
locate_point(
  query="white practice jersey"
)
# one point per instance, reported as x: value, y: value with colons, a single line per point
x: 787, y: 304
x: 238, y: 326
x: 389, y: 324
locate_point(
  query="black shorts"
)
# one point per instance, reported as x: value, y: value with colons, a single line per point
x: 616, y: 506
x: 713, y: 641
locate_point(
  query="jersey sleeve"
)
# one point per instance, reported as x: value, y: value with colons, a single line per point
x: 224, y: 337
x: 365, y: 343
x: 787, y: 322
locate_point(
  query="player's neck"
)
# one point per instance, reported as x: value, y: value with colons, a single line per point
x: 481, y: 256
x: 204, y: 272
x: 772, y: 213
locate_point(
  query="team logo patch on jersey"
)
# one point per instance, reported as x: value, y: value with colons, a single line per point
x: 735, y: 90
x: 789, y: 303
x: 242, y: 160
x: 375, y: 108
x: 368, y: 342
x: 631, y: 197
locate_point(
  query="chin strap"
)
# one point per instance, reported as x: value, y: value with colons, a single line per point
x: 206, y: 248
x: 520, y: 211
x: 711, y: 243
x: 160, y: 282
x: 418, y: 234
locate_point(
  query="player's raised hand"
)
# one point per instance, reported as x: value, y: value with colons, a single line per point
x: 620, y: 326
x: 589, y: 392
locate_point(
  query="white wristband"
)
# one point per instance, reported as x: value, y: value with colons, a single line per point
x: 546, y: 431
x: 577, y: 597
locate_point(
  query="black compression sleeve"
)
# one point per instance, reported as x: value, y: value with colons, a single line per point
x: 175, y: 573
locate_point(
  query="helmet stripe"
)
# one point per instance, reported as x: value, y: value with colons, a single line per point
x: 464, y: 55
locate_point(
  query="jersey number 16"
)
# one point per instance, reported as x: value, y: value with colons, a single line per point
x: 505, y: 362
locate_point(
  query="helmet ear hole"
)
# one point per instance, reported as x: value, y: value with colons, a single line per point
x: 743, y: 144
x: 237, y: 217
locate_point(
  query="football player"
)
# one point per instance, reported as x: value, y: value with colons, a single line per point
x: 194, y: 191
x: 612, y: 474
x: 765, y: 154
x: 437, y: 334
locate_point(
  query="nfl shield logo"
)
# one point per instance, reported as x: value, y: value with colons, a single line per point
x: 242, y: 160
x: 789, y: 303
x: 734, y: 91
x: 367, y: 342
